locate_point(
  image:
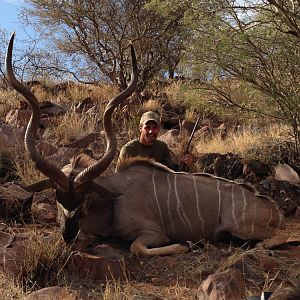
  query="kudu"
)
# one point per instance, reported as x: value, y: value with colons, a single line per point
x: 145, y: 202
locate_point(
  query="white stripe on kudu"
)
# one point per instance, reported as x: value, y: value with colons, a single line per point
x: 270, y: 219
x: 233, y: 207
x: 254, y: 217
x: 219, y: 199
x: 157, y: 201
x: 169, y: 199
x: 244, y: 206
x: 197, y: 204
x: 180, y: 209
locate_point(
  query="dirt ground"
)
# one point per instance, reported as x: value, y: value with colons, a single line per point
x: 179, y: 276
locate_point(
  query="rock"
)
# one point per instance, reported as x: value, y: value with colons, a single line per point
x: 15, y: 203
x: 59, y: 293
x: 206, y: 162
x: 256, y: 170
x: 11, y: 137
x: 286, y: 173
x: 8, y: 167
x: 171, y: 123
x: 44, y: 213
x: 103, y: 265
x: 223, y: 165
x: 18, y: 117
x: 291, y: 292
x: 52, y: 109
x: 84, y: 105
x: 205, y: 132
x: 228, y: 166
x: 12, y: 259
x: 285, y: 194
x: 222, y: 131
x: 223, y: 286
x: 189, y: 126
x: 85, y: 141
x: 46, y: 149
x: 170, y: 137
x: 6, y: 239
x: 63, y: 155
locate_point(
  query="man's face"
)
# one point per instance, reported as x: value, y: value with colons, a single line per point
x: 149, y: 133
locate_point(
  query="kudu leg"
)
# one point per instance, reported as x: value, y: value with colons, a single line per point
x: 151, y: 239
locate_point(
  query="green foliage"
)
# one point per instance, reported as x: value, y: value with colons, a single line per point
x: 96, y: 35
x: 250, y: 43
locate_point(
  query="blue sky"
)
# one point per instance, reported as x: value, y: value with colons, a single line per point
x: 9, y: 10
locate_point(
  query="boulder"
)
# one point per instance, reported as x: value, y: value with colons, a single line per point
x: 205, y: 132
x: 223, y: 286
x: 46, y: 149
x: 171, y: 137
x: 286, y: 173
x: 84, y: 105
x: 52, y: 109
x: 12, y: 256
x: 15, y: 203
x: 285, y: 194
x: 11, y: 136
x: 85, y: 141
x: 104, y: 264
x: 18, y: 117
x: 57, y: 293
x: 255, y: 171
x: 6, y: 239
x: 44, y: 213
x: 63, y: 155
x: 189, y: 126
x: 228, y: 166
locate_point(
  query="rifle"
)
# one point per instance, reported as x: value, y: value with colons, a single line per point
x: 182, y: 165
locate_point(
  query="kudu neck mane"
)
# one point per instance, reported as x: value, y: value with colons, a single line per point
x: 142, y: 161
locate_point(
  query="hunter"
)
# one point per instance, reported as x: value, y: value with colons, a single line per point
x: 147, y: 145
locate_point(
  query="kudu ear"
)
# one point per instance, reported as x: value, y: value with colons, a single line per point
x: 103, y: 191
x: 40, y: 185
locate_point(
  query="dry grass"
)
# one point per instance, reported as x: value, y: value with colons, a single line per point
x: 136, y: 290
x: 264, y: 270
x: 152, y: 105
x: 42, y: 94
x: 26, y: 169
x: 45, y: 257
x: 267, y: 144
x: 8, y: 101
x: 190, y: 115
x: 79, y: 92
x: 10, y: 288
x: 71, y: 127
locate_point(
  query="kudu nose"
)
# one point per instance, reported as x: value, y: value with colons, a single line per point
x: 70, y: 230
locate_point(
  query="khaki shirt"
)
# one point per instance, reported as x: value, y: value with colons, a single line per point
x: 159, y: 151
